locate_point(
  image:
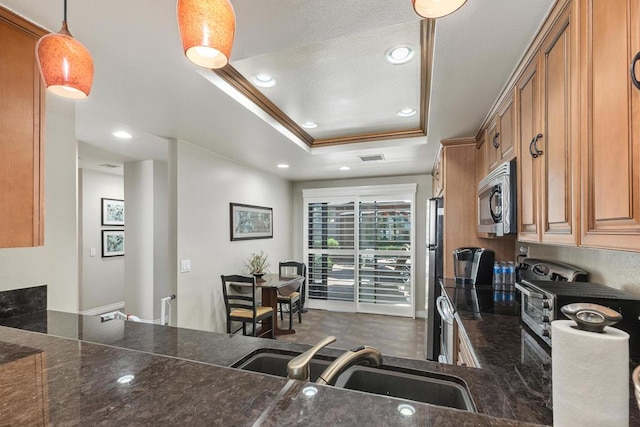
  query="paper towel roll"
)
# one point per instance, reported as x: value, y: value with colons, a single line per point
x: 590, y: 376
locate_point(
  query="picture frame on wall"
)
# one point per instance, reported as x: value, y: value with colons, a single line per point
x: 112, y: 211
x: 250, y: 222
x: 112, y: 243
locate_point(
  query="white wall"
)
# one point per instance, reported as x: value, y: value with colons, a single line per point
x: 423, y: 194
x: 206, y: 184
x: 101, y: 279
x: 56, y: 263
x: 147, y: 273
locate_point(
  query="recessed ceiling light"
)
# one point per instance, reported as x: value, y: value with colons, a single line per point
x: 309, y: 125
x: 263, y: 80
x: 344, y: 168
x: 310, y: 391
x: 125, y: 379
x: 406, y: 112
x: 406, y: 409
x: 122, y: 134
x: 399, y: 54
x: 283, y: 166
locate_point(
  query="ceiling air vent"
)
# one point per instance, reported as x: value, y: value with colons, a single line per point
x: 372, y: 158
x: 109, y: 166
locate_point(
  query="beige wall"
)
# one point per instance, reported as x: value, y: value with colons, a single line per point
x: 56, y: 263
x: 618, y: 269
x: 423, y: 194
x: 101, y: 279
x: 206, y: 184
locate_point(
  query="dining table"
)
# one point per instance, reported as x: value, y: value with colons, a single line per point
x: 272, y: 285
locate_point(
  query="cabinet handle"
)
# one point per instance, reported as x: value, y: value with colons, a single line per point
x: 533, y: 145
x: 495, y: 140
x: 632, y: 71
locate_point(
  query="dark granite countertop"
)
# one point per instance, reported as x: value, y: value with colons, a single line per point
x: 504, y: 346
x: 182, y: 375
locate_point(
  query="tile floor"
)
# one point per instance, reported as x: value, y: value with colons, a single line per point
x: 393, y: 336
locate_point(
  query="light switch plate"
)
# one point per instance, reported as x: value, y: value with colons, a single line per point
x: 92, y: 252
x: 185, y: 265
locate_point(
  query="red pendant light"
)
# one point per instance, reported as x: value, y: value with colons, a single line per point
x: 207, y: 28
x: 436, y: 8
x: 65, y: 64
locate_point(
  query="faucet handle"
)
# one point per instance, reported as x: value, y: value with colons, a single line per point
x: 298, y: 367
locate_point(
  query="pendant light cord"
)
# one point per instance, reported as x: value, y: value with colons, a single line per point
x: 65, y: 10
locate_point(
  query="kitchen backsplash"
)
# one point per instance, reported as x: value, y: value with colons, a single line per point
x: 617, y: 269
x: 23, y: 301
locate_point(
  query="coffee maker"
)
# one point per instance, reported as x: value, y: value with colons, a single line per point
x: 473, y: 266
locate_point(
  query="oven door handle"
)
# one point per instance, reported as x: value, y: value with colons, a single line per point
x: 528, y: 292
x: 444, y: 309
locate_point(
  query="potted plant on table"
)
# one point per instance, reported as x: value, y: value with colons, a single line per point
x: 257, y: 264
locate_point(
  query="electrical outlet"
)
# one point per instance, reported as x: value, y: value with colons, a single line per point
x: 185, y: 266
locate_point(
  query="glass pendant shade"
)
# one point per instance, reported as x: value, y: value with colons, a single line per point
x: 65, y: 64
x: 207, y: 28
x: 436, y: 8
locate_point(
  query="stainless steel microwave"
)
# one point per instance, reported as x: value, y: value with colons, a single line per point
x: 497, y: 201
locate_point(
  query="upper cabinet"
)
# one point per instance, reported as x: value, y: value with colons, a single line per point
x: 501, y: 136
x: 610, y: 129
x: 21, y: 135
x: 547, y: 100
x: 438, y: 175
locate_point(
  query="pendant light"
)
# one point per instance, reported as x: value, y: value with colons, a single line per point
x: 207, y: 28
x: 65, y: 64
x: 436, y: 8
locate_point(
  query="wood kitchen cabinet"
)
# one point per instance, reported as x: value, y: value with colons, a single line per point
x: 21, y: 135
x: 610, y: 129
x: 457, y: 159
x: 547, y: 100
x: 482, y: 168
x: 501, y: 134
x: 438, y: 175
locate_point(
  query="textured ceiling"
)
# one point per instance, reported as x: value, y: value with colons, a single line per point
x: 144, y: 83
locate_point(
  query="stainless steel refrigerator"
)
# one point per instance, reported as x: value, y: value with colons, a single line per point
x: 435, y: 217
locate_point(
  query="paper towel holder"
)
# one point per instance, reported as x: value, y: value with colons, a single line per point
x: 591, y: 317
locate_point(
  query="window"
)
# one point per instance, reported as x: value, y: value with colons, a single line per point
x: 359, y: 249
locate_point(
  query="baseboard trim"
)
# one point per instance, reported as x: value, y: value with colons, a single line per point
x: 104, y: 309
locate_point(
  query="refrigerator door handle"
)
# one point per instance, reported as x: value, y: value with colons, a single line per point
x: 432, y: 213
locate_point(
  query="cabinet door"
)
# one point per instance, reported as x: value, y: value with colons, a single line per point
x: 610, y: 132
x: 438, y: 175
x: 527, y: 101
x: 559, y: 145
x: 493, y: 143
x: 481, y: 158
x: 506, y: 118
x: 21, y: 142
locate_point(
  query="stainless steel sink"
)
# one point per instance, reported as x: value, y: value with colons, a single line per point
x: 426, y: 387
x: 276, y: 364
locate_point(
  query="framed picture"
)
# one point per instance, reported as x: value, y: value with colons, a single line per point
x: 112, y: 243
x: 251, y: 222
x: 112, y: 212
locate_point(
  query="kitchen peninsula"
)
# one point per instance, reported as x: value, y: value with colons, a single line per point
x: 183, y: 376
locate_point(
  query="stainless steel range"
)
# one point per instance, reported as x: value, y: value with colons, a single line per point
x: 547, y: 286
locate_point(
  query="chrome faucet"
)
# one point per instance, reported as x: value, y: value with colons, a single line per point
x: 352, y: 357
x: 298, y: 367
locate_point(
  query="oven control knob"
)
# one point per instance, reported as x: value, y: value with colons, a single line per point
x: 545, y: 303
x: 546, y: 333
x: 545, y: 319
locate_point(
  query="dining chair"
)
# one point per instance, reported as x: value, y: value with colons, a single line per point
x: 244, y: 307
x: 295, y: 300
